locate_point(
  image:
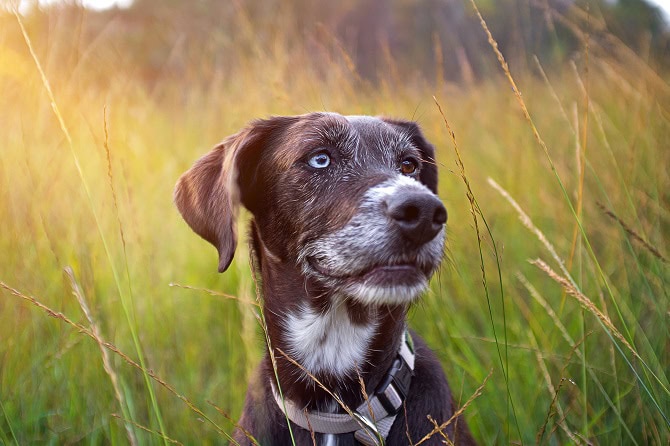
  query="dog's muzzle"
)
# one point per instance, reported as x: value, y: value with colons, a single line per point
x: 389, y: 249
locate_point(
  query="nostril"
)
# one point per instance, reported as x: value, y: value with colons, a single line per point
x: 440, y: 215
x: 407, y: 213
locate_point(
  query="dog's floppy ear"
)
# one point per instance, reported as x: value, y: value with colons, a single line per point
x: 208, y: 195
x: 428, y: 175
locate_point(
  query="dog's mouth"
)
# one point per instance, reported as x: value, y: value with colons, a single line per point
x: 382, y: 274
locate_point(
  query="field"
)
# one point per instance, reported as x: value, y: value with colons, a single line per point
x: 556, y: 280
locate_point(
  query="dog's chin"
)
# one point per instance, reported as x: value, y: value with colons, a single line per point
x: 386, y: 293
x: 378, y: 285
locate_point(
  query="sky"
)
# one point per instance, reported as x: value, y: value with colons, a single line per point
x: 92, y: 4
x: 104, y: 4
x: 665, y: 8
x: 664, y: 5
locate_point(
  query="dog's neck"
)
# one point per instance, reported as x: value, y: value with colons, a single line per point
x: 333, y: 339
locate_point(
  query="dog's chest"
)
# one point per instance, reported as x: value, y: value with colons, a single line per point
x: 328, y: 341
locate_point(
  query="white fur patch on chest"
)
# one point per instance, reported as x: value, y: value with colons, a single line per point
x: 329, y: 341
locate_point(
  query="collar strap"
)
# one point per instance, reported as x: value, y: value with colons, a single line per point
x: 373, y: 419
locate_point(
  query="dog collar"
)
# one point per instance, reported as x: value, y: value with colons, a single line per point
x: 372, y: 420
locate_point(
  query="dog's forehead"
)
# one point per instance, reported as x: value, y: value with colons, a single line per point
x: 363, y: 121
x: 362, y: 127
x: 348, y: 133
x: 371, y: 128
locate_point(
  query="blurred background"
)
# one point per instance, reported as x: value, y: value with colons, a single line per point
x: 563, y: 147
x: 152, y: 41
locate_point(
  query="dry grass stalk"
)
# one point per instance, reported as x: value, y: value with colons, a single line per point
x: 522, y: 104
x: 146, y: 429
x: 550, y: 413
x: 234, y: 423
x: 528, y: 223
x: 366, y: 398
x: 110, y: 176
x: 248, y: 321
x: 45, y: 82
x: 106, y: 361
x: 555, y: 403
x: 271, y: 352
x: 461, y: 168
x: 570, y: 289
x: 439, y: 61
x: 474, y: 209
x: 404, y: 411
x: 576, y: 437
x: 545, y: 374
x: 550, y: 311
x: 554, y: 95
x: 515, y: 89
x: 309, y: 426
x: 109, y: 346
x: 458, y: 413
x: 446, y: 440
x: 578, y: 151
x: 581, y: 147
x: 534, y: 293
x: 634, y: 235
x: 214, y: 293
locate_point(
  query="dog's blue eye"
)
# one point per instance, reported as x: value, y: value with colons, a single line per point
x: 319, y: 160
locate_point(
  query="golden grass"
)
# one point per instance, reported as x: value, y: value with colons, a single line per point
x: 109, y: 346
x: 585, y: 302
x: 86, y: 173
x: 106, y: 361
x: 146, y: 429
x: 633, y: 234
x: 440, y: 428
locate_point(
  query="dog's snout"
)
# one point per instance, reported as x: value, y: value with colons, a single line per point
x: 419, y: 216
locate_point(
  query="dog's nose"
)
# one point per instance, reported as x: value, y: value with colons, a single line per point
x: 418, y: 215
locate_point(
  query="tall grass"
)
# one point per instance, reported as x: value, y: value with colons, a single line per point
x: 584, y: 355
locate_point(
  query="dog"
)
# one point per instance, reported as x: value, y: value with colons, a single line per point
x: 346, y: 232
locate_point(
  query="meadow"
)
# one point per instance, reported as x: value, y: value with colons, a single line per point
x: 116, y: 327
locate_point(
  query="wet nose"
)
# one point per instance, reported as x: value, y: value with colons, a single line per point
x: 418, y: 215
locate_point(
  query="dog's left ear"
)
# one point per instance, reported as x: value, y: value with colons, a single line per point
x: 208, y: 195
x: 428, y: 175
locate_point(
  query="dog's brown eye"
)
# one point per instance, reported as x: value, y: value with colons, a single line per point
x: 408, y: 166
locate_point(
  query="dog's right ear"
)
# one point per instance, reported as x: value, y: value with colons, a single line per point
x: 205, y: 200
x: 208, y: 195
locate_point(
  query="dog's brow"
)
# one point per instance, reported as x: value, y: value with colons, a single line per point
x: 384, y: 139
x: 308, y: 135
x: 339, y: 134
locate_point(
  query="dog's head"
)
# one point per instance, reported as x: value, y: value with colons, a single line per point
x: 349, y: 201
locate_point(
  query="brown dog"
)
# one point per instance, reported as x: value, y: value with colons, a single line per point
x: 347, y: 230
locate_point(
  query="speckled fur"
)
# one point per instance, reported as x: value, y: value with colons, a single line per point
x: 315, y: 236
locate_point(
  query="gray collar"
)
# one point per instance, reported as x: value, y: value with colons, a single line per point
x: 371, y: 421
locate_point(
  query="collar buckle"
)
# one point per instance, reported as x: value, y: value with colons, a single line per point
x: 395, y: 387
